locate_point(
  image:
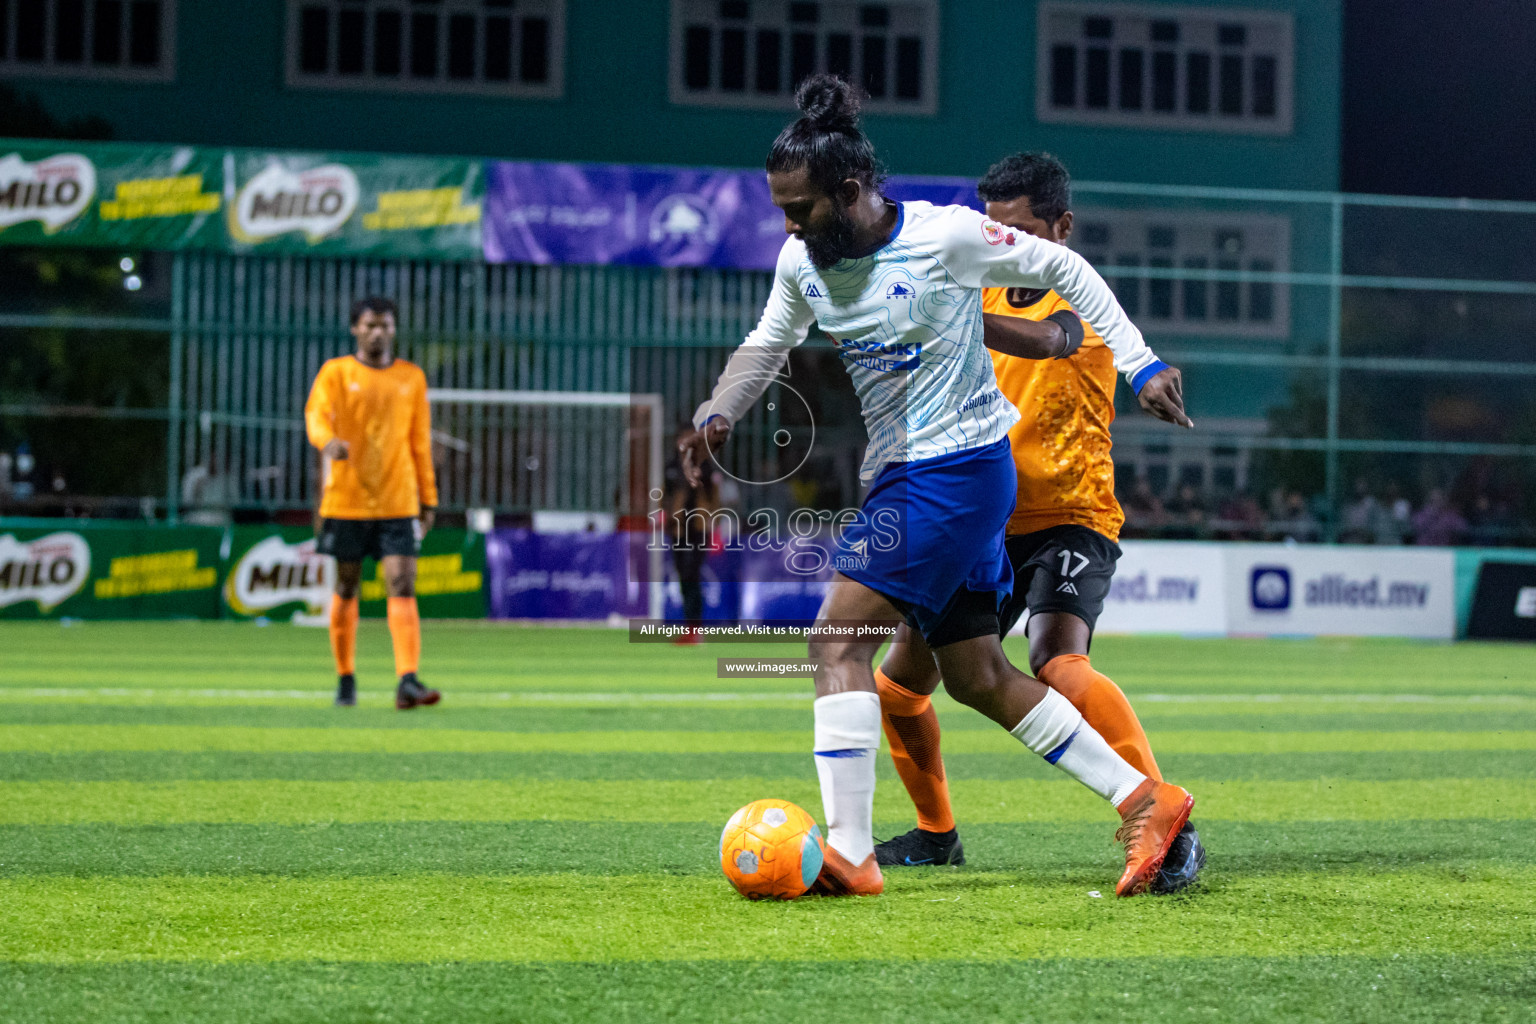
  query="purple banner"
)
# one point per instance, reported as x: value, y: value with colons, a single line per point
x: 565, y: 575
x: 550, y: 213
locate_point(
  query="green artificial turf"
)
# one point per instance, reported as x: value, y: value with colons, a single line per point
x: 190, y: 832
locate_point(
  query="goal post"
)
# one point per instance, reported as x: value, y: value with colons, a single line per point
x: 569, y: 451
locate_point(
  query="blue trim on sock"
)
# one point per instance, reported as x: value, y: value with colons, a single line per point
x: 1146, y: 373
x: 1055, y: 755
x: 850, y: 752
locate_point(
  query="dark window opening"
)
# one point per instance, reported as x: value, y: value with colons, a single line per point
x: 769, y: 60
x: 1096, y: 78
x: 107, y: 39
x: 1261, y: 294
x: 874, y: 66
x: 1195, y: 292
x: 533, y: 54
x: 1265, y: 89
x: 461, y: 46
x: 804, y: 14
x: 1098, y: 28
x: 802, y: 57
x: 69, y: 31
x: 1165, y: 81
x: 351, y: 27
x: 1094, y: 233
x: 388, y: 34
x: 1197, y: 83
x: 735, y: 10
x: 1231, y: 84
x: 696, y: 57
x: 1228, y: 294
x: 1128, y: 289
x: 1165, y: 31
x: 1161, y: 237
x: 424, y: 45
x: 1063, y: 76
x: 1232, y: 35
x: 1130, y: 79
x: 498, y: 49
x: 909, y: 68
x: 733, y: 59
x: 1160, y: 292
x: 144, y: 33
x: 31, y: 29
x: 314, y: 40
x: 840, y: 54
x: 874, y: 16
x: 5, y: 28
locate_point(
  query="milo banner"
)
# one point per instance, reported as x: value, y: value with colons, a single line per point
x: 276, y: 573
x: 132, y: 197
x: 180, y: 197
x: 109, y: 571
x: 408, y: 207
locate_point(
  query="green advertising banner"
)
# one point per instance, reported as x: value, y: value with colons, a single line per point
x: 276, y: 573
x: 108, y: 571
x: 118, y: 196
x: 180, y: 197
x: 407, y: 207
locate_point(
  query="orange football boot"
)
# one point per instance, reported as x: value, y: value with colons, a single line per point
x: 1152, y: 815
x: 840, y: 878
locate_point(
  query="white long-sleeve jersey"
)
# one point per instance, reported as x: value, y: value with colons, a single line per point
x: 906, y: 321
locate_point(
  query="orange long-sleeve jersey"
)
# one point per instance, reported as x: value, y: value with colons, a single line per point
x: 384, y: 418
x: 1061, y: 442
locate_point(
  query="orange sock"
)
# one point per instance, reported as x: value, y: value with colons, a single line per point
x: 344, y: 633
x: 405, y: 631
x: 1102, y: 706
x: 912, y: 729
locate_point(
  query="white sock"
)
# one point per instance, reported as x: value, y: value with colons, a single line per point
x: 1055, y: 730
x: 847, y: 740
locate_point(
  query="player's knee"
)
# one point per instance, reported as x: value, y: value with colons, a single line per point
x: 401, y: 586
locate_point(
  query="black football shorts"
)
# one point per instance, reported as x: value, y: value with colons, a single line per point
x: 352, y: 540
x: 1060, y: 569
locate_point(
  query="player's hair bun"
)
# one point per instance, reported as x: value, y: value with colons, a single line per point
x: 830, y: 103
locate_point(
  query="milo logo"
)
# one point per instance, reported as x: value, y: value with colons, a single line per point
x: 53, y: 191
x: 275, y: 573
x: 48, y: 570
x: 277, y: 200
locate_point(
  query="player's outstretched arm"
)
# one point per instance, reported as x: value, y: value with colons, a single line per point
x: 759, y: 361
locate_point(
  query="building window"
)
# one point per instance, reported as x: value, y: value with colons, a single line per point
x: 1117, y: 241
x: 115, y: 40
x: 753, y: 53
x: 1192, y: 68
x: 493, y: 47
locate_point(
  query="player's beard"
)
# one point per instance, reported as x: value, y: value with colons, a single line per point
x: 835, y: 242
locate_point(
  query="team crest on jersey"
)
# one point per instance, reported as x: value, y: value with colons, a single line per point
x: 812, y: 292
x: 993, y: 232
x: 901, y: 290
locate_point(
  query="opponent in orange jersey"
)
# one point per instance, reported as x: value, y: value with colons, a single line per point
x: 1063, y: 532
x: 368, y: 415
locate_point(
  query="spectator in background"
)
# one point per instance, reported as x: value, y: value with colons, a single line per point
x: 1296, y: 523
x: 1143, y: 509
x: 1364, y: 518
x: 5, y: 477
x: 1491, y: 525
x: 1397, y: 524
x: 1438, y: 523
x: 208, y: 494
x: 1186, y: 514
x: 1241, y: 517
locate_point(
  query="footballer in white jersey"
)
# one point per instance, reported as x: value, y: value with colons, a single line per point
x: 898, y: 288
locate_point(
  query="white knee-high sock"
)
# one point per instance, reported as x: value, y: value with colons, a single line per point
x: 847, y: 740
x: 1055, y: 730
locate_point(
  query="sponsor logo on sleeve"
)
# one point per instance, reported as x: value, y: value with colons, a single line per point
x: 993, y: 232
x: 52, y: 191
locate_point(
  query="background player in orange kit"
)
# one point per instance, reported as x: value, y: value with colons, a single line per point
x: 368, y: 415
x: 1063, y: 531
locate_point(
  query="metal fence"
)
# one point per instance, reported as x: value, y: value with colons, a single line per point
x: 1325, y: 338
